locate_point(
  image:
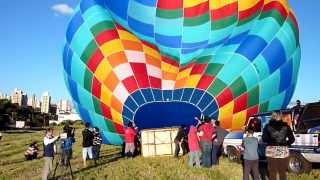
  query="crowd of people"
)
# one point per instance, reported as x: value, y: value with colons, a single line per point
x: 62, y: 144
x: 202, y: 142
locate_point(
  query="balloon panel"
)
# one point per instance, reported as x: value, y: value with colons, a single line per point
x: 159, y: 63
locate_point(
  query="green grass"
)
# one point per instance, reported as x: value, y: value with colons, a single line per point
x: 111, y: 165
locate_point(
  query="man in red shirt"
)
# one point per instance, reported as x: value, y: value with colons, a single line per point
x: 206, y: 134
x: 129, y: 136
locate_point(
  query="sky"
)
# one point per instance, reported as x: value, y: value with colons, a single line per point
x: 32, y: 34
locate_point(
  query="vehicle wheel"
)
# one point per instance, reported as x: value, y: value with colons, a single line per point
x: 233, y: 154
x: 298, y: 164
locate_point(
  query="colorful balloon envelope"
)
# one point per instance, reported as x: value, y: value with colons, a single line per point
x: 160, y: 63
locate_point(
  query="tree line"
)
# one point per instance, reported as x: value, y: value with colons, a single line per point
x: 10, y: 113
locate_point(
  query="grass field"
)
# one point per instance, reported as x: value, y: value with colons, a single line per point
x: 111, y: 165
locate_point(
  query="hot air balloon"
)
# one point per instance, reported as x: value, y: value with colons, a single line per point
x: 160, y: 63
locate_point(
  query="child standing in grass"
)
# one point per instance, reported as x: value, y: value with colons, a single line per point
x: 194, y: 148
x: 250, y: 156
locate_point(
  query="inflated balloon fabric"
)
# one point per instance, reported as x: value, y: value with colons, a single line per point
x: 160, y: 63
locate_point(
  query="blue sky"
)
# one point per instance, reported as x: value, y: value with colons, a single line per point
x: 32, y: 37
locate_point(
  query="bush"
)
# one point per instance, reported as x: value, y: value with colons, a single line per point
x: 78, y: 122
x: 53, y: 124
x: 70, y: 123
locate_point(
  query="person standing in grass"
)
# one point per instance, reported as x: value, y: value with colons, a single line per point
x: 217, y: 143
x: 48, y: 154
x: 87, y: 143
x: 129, y: 136
x: 206, y: 134
x: 96, y: 144
x: 250, y: 156
x: 66, y: 145
x: 278, y: 136
x: 194, y: 148
x: 178, y: 141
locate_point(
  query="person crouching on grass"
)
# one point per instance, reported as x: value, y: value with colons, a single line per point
x: 32, y: 151
x: 48, y: 142
x: 250, y: 156
x: 129, y: 136
x: 194, y: 147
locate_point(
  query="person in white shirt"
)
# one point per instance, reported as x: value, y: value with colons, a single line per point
x: 48, y: 149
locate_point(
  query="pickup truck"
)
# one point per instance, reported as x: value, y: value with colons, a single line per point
x: 306, y: 127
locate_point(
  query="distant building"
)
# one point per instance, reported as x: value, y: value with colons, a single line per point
x: 18, y: 97
x: 32, y: 101
x: 64, y: 106
x: 38, y: 104
x: 45, y: 102
x: 4, y: 96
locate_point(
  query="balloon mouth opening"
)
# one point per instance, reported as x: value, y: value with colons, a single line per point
x: 166, y: 114
x: 156, y: 108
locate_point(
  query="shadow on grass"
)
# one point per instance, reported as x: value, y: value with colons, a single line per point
x: 17, y: 161
x: 101, y: 162
x: 12, y: 153
x: 263, y: 169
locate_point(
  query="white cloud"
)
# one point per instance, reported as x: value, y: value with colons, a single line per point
x: 63, y: 9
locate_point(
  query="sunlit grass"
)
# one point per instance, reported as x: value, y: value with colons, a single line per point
x: 111, y: 165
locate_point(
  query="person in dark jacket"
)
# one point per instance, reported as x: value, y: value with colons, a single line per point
x: 48, y: 152
x: 278, y: 136
x: 184, y: 143
x: 96, y: 144
x: 297, y: 111
x: 178, y: 140
x: 87, y: 143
